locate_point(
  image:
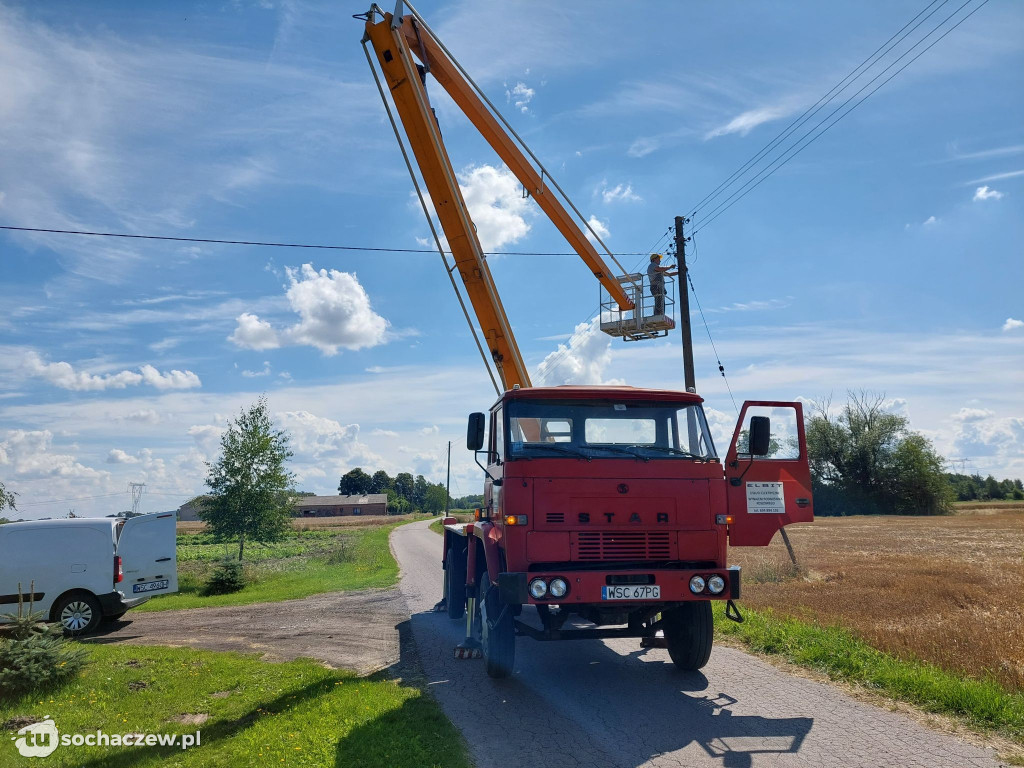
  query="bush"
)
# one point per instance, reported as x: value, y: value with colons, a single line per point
x: 226, y: 578
x: 343, y: 552
x: 35, y: 655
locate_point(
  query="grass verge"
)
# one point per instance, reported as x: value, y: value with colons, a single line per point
x: 841, y: 656
x: 256, y: 713
x: 303, y: 564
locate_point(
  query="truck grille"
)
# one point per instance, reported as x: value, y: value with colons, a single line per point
x: 556, y: 517
x: 623, y: 545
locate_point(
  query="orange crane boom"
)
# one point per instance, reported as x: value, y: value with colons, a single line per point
x: 396, y: 41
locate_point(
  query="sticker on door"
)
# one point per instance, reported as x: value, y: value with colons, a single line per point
x: 765, y: 498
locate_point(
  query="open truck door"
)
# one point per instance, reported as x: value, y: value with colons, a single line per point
x: 768, y: 476
x: 147, y: 548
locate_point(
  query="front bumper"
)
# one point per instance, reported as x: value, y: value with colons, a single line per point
x: 585, y: 586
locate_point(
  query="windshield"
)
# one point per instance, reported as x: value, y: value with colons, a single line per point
x: 607, y: 430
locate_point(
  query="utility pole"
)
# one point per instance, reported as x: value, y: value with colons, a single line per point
x: 684, y: 306
x: 448, y: 480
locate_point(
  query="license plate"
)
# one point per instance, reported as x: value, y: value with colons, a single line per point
x: 632, y: 592
x: 150, y: 586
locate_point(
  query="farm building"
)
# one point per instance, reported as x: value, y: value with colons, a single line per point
x: 330, y: 506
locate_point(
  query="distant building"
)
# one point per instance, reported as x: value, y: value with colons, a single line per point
x: 332, y: 506
x: 189, y: 511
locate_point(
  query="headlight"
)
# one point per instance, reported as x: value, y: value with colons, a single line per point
x: 697, y: 584
x: 538, y: 588
x: 716, y: 584
x: 558, y: 588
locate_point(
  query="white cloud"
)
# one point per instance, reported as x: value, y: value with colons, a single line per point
x: 207, y: 437
x: 315, y: 435
x: 334, y: 311
x: 619, y: 193
x: 255, y: 374
x: 433, y: 429
x: 1012, y: 324
x: 253, y: 333
x: 984, y: 193
x: 643, y: 146
x: 144, y: 415
x: 384, y: 433
x: 582, y: 361
x: 972, y: 414
x: 28, y: 453
x: 990, y: 439
x: 597, y: 227
x: 63, y: 375
x: 748, y: 121
x: 173, y: 379
x: 117, y: 456
x: 995, y: 177
x: 496, y: 203
x: 520, y: 95
x: 931, y: 221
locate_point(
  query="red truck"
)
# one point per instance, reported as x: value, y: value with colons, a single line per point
x: 606, y: 508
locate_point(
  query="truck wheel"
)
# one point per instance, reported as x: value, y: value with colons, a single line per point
x: 455, y: 582
x: 689, y: 630
x: 77, y: 613
x: 497, y: 632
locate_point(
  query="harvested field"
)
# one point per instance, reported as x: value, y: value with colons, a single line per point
x: 948, y: 590
x: 322, y: 523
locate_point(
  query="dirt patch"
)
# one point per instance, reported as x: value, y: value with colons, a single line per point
x: 196, y: 719
x: 18, y: 721
x: 943, y: 589
x: 137, y: 685
x: 345, y: 630
x: 220, y: 694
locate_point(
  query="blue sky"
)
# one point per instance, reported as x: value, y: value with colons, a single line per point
x: 885, y: 257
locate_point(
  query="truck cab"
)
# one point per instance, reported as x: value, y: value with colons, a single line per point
x: 611, y: 506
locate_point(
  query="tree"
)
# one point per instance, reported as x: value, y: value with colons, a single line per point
x: 250, y: 489
x: 6, y: 498
x: 355, y: 482
x: 403, y: 486
x: 867, y: 460
x: 419, y: 492
x: 380, y: 482
x: 435, y: 498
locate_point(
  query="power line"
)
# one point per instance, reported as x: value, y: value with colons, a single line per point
x: 718, y: 359
x: 324, y: 247
x: 818, y: 105
x: 807, y: 139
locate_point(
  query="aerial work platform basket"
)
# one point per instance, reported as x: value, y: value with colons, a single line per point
x: 652, y: 316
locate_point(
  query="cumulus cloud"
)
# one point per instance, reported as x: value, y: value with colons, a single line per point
x: 64, y: 375
x: 597, y: 227
x: 984, y: 193
x: 622, y: 193
x: 117, y: 456
x: 254, y: 374
x: 29, y: 455
x: 990, y: 437
x: 931, y: 221
x: 316, y: 435
x: 334, y: 311
x: 972, y: 414
x: 207, y: 437
x: 520, y: 95
x: 582, y: 361
x: 253, y: 333
x: 496, y: 203
x: 1012, y: 324
x: 144, y: 415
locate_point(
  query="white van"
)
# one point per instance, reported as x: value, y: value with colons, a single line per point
x: 86, y: 570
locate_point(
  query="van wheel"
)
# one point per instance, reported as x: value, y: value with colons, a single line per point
x: 455, y: 582
x: 689, y: 631
x: 497, y: 632
x: 78, y: 613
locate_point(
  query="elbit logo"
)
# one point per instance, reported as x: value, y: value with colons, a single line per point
x: 38, y: 739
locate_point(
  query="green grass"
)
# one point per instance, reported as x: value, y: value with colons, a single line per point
x: 304, y: 563
x: 260, y: 714
x: 841, y: 656
x: 437, y: 527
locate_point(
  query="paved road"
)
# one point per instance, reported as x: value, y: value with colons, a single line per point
x: 592, y: 703
x: 350, y: 630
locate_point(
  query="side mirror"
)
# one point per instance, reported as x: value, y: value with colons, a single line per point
x: 760, y: 435
x: 475, y: 432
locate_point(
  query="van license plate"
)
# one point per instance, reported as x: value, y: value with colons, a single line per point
x: 632, y: 592
x: 150, y: 586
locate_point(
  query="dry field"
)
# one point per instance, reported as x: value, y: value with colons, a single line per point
x: 949, y: 590
x: 322, y: 523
